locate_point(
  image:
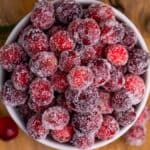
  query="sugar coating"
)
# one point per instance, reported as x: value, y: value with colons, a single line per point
x: 109, y: 128
x: 21, y: 77
x: 101, y: 69
x: 35, y: 128
x: 42, y: 15
x: 41, y: 92
x: 87, y: 123
x: 55, y: 118
x: 33, y: 40
x: 54, y: 29
x: 44, y: 64
x: 68, y: 60
x: 64, y: 135
x: 135, y: 85
x: 125, y: 118
x: 10, y: 56
x: 99, y: 48
x: 136, y: 136
x: 11, y: 96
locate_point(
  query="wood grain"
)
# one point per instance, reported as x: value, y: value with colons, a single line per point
x: 137, y: 10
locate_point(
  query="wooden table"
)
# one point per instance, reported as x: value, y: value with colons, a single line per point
x: 12, y: 10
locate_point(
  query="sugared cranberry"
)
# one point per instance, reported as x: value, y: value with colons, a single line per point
x: 55, y: 29
x: 21, y: 77
x: 55, y: 118
x: 43, y: 64
x: 101, y: 69
x: 64, y: 135
x: 125, y: 118
x: 35, y: 128
x: 11, y: 96
x: 99, y: 48
x: 80, y: 77
x: 135, y: 85
x: 105, y: 102
x: 138, y: 61
x: 68, y: 60
x: 117, y: 55
x: 87, y: 123
x: 100, y: 12
x: 42, y: 15
x: 33, y: 40
x: 83, y: 141
x: 59, y: 81
x: 68, y: 10
x: 121, y: 100
x: 8, y: 129
x: 10, y: 56
x: 116, y: 81
x: 136, y: 135
x: 108, y: 129
x: 41, y: 92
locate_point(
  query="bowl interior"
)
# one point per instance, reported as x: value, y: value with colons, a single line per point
x: 12, y: 37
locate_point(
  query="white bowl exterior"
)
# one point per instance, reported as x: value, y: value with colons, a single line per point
x: 54, y: 144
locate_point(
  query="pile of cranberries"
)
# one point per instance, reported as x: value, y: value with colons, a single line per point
x: 76, y: 73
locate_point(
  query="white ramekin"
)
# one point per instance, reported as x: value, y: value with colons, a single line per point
x: 12, y: 37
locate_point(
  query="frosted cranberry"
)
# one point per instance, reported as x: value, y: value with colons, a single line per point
x: 68, y: 60
x: 21, y: 77
x: 80, y: 77
x: 11, y: 96
x: 100, y: 12
x: 59, y: 81
x: 55, y: 29
x: 101, y: 69
x: 130, y: 38
x: 41, y: 92
x: 83, y: 141
x: 43, y: 64
x: 117, y: 55
x: 138, y: 61
x: 10, y: 56
x: 104, y: 102
x: 99, y: 48
x: 35, y: 128
x: 8, y: 129
x: 87, y: 123
x: 125, y: 118
x: 123, y: 69
x: 108, y: 129
x: 61, y: 41
x: 55, y: 118
x: 112, y: 32
x: 33, y: 40
x: 83, y: 101
x: 136, y: 135
x: 135, y: 85
x: 116, y: 81
x: 64, y: 135
x: 68, y: 10
x: 42, y: 15
x: 121, y: 100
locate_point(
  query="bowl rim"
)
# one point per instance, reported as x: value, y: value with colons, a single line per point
x: 13, y: 35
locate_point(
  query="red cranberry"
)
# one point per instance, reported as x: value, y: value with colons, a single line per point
x: 10, y: 56
x: 80, y: 78
x: 11, y: 96
x: 99, y: 48
x: 41, y: 92
x: 55, y: 118
x: 35, y: 128
x: 8, y: 129
x: 21, y: 77
x: 42, y: 15
x: 125, y: 118
x: 33, y: 40
x: 43, y: 64
x: 135, y: 85
x: 55, y: 29
x: 68, y: 60
x: 64, y: 135
x: 108, y: 129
